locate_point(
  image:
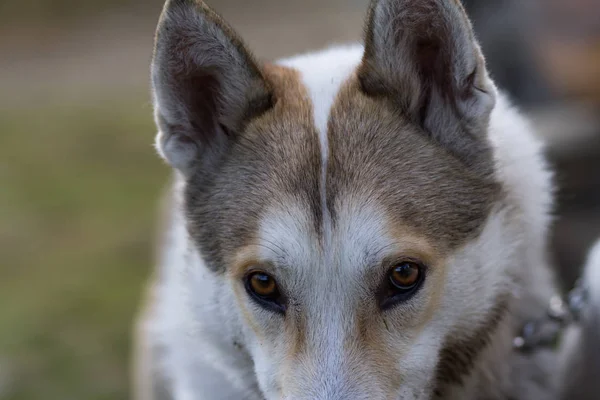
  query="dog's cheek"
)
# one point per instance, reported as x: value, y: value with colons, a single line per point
x: 268, y: 372
x: 261, y: 335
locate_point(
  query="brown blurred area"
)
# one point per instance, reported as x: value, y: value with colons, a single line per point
x: 80, y: 181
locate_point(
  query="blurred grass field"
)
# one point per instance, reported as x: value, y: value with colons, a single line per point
x: 79, y: 187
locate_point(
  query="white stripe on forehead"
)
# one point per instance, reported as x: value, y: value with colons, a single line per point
x: 323, y: 74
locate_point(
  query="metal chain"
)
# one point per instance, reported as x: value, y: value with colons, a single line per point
x: 547, y: 331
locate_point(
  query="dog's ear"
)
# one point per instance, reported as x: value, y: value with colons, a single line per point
x: 206, y: 84
x: 423, y: 55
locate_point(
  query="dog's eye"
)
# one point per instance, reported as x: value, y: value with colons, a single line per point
x: 405, y: 276
x: 263, y: 288
x: 403, y: 281
x: 262, y: 285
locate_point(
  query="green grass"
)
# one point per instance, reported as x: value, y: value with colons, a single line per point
x: 79, y: 186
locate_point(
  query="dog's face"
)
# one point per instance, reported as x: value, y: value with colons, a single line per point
x: 347, y: 200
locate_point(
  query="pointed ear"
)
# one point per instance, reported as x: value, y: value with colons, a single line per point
x: 423, y: 55
x: 206, y: 85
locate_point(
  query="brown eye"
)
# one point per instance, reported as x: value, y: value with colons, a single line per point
x: 405, y: 276
x: 262, y: 284
x: 403, y: 281
x: 263, y: 288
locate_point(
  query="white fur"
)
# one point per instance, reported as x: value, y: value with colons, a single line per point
x: 520, y: 165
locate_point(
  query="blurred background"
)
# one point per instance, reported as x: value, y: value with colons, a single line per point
x: 79, y: 181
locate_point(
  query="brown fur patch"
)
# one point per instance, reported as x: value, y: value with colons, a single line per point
x: 243, y: 259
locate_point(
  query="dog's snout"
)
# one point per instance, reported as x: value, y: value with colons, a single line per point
x: 341, y: 379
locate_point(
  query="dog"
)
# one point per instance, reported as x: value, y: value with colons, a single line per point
x: 364, y: 222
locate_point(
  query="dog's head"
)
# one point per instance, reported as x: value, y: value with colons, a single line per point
x: 349, y: 199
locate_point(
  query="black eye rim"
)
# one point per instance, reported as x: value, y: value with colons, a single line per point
x: 391, y: 295
x: 275, y: 303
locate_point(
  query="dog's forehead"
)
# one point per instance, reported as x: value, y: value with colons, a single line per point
x: 374, y: 156
x: 362, y: 236
x: 342, y: 164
